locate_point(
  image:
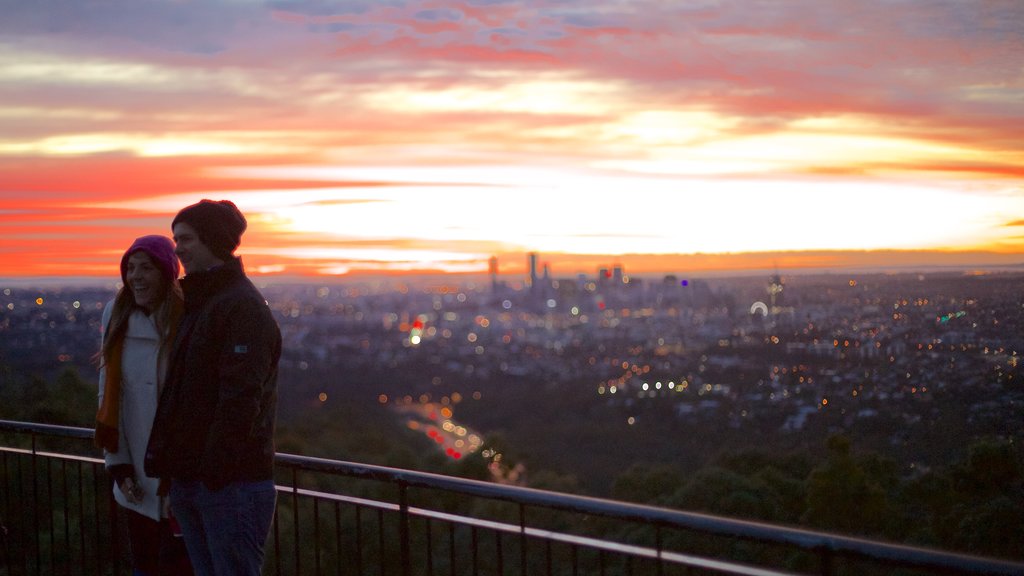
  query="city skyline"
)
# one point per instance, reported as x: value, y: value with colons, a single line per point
x: 428, y: 137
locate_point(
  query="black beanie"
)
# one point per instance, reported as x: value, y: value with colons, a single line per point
x: 219, y: 225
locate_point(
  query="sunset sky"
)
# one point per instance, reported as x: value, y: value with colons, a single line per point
x: 427, y: 136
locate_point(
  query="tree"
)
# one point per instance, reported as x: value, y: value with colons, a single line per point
x: 842, y: 496
x: 720, y: 491
x: 74, y: 400
x: 989, y: 500
x: 925, y: 503
x: 645, y: 483
x: 993, y: 528
x: 992, y: 468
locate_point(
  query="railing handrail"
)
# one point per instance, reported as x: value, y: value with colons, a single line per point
x: 757, y: 531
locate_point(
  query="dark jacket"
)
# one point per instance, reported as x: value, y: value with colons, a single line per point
x: 215, y: 419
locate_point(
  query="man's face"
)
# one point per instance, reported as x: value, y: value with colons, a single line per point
x: 194, y: 255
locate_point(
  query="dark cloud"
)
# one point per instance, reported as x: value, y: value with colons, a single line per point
x: 438, y: 14
x: 173, y: 26
x: 327, y: 7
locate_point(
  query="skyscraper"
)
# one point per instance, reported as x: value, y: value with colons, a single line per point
x: 532, y: 260
x: 775, y: 286
x: 492, y: 270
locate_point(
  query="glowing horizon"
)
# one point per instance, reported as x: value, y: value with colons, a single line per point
x: 424, y: 136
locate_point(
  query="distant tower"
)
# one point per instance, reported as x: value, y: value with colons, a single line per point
x: 547, y: 272
x: 775, y: 286
x: 532, y: 260
x: 492, y: 269
x: 617, y: 274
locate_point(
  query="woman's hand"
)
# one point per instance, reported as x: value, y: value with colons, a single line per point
x: 132, y: 491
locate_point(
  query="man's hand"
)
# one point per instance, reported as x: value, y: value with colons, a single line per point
x: 132, y: 490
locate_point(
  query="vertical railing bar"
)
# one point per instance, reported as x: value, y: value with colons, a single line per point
x: 67, y: 515
x: 359, y: 540
x: 337, y: 538
x: 26, y: 558
x: 6, y: 509
x: 475, y: 547
x: 295, y: 519
x: 403, y: 528
x: 24, y: 488
x: 35, y: 507
x: 451, y: 549
x: 500, y: 554
x: 430, y: 549
x: 81, y: 518
x: 106, y: 488
x: 658, y: 546
x: 95, y: 518
x: 547, y: 556
x: 826, y: 561
x: 380, y: 540
x: 522, y: 539
x: 50, y: 513
x: 316, y: 534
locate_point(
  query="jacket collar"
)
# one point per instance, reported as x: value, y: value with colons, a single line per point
x: 198, y: 286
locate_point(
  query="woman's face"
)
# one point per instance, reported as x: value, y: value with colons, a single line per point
x: 145, y: 281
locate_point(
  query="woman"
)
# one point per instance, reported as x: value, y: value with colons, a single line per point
x: 139, y: 326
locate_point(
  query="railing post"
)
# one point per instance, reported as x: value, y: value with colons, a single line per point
x: 7, y: 510
x: 826, y: 561
x: 316, y: 535
x: 403, y: 527
x: 35, y: 508
x: 295, y: 520
x: 95, y: 513
x: 115, y: 530
x: 451, y: 549
x: 522, y: 539
x: 50, y: 511
x: 359, y: 540
x: 657, y: 546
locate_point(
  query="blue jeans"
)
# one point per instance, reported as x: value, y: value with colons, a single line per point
x: 225, y: 531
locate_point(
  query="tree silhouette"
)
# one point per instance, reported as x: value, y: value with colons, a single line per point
x: 842, y: 496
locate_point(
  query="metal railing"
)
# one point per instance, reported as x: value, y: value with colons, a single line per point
x: 57, y: 517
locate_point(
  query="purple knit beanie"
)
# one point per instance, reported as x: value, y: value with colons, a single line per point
x: 219, y: 225
x: 160, y: 249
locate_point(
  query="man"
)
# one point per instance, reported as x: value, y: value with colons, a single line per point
x: 213, y: 435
